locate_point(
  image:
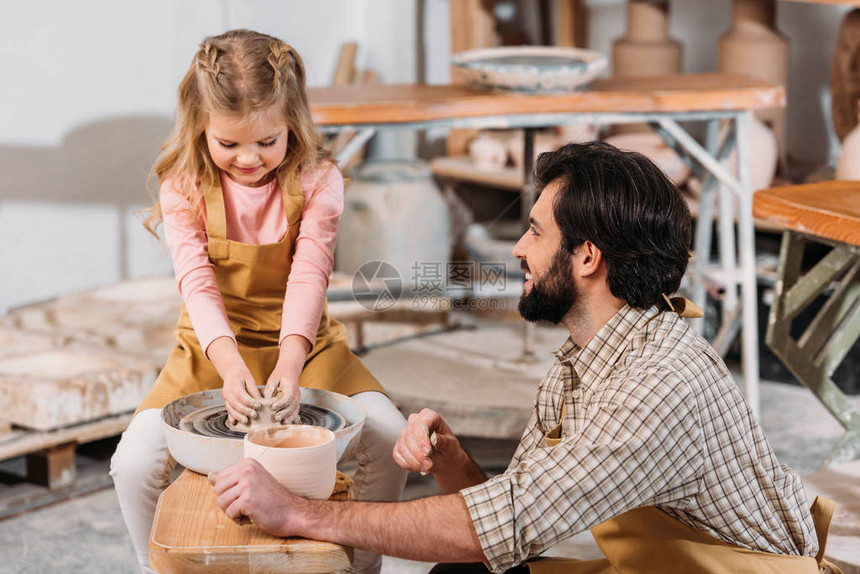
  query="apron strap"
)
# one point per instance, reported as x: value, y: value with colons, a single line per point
x: 216, y: 217
x: 294, y: 201
x: 683, y: 307
x: 822, y: 513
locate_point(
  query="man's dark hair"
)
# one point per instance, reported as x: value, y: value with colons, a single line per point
x: 627, y: 207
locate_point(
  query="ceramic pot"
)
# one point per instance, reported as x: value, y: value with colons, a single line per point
x: 765, y: 155
x: 845, y: 75
x: 653, y: 147
x: 394, y: 213
x: 487, y: 152
x: 848, y: 165
x: 752, y: 46
x: 646, y: 49
x: 302, y: 458
x: 543, y: 142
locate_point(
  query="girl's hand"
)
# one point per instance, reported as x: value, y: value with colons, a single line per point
x: 288, y: 396
x: 241, y: 396
x: 285, y: 378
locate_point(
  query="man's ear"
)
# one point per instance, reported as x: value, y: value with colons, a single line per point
x: 588, y: 259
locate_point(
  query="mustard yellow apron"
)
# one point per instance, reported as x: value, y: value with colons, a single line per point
x: 252, y: 280
x: 648, y: 541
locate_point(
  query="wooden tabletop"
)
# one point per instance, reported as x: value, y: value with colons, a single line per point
x: 404, y: 103
x: 191, y: 534
x: 829, y: 209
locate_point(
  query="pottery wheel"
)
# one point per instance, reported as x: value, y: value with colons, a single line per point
x: 212, y: 421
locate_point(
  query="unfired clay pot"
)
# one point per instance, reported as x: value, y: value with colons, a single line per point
x: 488, y: 152
x: 302, y: 458
x: 653, y: 147
x: 765, y: 154
x: 543, y: 142
x: 752, y: 46
x: 646, y: 49
x: 848, y: 166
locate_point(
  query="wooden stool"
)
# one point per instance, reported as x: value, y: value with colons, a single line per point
x: 827, y: 213
x: 191, y: 534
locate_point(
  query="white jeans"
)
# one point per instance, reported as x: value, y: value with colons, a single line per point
x: 141, y: 468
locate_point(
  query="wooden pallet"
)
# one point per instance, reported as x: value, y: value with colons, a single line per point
x: 51, y: 469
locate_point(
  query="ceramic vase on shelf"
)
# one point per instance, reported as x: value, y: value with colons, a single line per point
x: 752, y: 46
x: 848, y: 166
x: 646, y: 49
x: 487, y: 152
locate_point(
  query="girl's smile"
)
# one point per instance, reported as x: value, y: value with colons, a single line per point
x: 248, y: 148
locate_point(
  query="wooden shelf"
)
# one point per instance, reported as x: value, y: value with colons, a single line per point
x: 399, y: 104
x: 833, y: 2
x: 461, y: 168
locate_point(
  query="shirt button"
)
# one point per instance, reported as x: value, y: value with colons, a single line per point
x: 576, y: 393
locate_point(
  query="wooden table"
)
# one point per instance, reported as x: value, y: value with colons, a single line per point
x: 191, y: 534
x: 827, y: 213
x: 662, y: 102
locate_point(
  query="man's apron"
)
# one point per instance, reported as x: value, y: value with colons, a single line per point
x: 649, y: 541
x: 252, y: 280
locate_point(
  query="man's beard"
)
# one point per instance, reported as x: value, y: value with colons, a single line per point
x: 555, y: 294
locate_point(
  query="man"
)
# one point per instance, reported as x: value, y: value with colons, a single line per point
x: 638, y: 430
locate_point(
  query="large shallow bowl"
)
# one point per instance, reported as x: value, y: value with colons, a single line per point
x: 530, y: 68
x: 205, y: 454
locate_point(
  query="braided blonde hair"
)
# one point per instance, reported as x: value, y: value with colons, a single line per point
x: 236, y: 73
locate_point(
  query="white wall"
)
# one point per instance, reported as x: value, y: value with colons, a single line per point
x: 88, y: 94
x: 89, y: 87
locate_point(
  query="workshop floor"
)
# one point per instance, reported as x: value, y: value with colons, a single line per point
x: 86, y: 534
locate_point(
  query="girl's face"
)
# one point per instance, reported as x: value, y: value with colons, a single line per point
x: 248, y: 148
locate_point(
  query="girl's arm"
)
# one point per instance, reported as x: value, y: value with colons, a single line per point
x: 186, y: 239
x: 313, y: 257
x: 313, y: 260
x: 285, y: 376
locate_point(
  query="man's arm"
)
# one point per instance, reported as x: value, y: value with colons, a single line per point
x: 431, y: 529
x: 427, y: 445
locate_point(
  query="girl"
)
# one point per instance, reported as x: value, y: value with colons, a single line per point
x: 250, y: 205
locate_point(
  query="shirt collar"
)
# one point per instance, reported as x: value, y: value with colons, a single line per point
x: 595, y: 360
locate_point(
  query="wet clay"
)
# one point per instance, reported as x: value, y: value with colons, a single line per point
x: 265, y: 416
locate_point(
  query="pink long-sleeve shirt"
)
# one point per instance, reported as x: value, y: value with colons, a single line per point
x: 255, y: 215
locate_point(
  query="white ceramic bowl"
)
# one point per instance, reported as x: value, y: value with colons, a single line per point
x: 530, y: 68
x: 208, y: 454
x: 302, y: 458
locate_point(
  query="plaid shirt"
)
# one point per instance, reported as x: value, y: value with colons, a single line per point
x: 652, y: 417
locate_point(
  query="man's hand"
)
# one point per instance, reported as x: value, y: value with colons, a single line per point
x: 245, y: 489
x: 286, y: 406
x: 427, y: 445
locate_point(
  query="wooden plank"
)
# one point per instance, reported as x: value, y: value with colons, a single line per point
x: 344, y: 70
x: 53, y: 467
x: 461, y: 168
x: 20, y: 442
x: 829, y: 209
x: 25, y: 496
x: 472, y: 26
x: 191, y: 534
x: 569, y: 21
x: 400, y: 103
x: 832, y: 2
